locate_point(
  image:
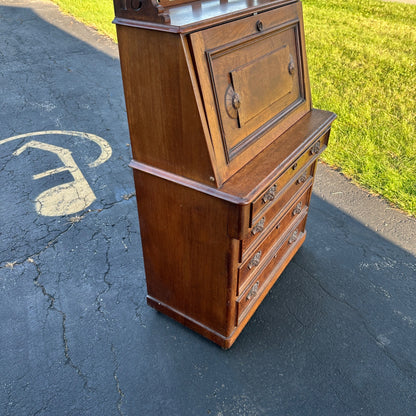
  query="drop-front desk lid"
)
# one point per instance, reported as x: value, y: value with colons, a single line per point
x: 253, y: 75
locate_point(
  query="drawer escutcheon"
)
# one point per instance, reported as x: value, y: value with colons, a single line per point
x: 259, y: 25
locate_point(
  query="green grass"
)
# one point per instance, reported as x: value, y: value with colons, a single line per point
x: 362, y: 64
x: 95, y: 13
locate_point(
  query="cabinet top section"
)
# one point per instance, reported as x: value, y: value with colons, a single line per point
x: 184, y: 16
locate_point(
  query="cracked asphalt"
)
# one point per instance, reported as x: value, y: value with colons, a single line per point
x: 335, y: 336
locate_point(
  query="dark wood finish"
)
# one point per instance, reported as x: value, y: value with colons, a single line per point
x: 225, y: 145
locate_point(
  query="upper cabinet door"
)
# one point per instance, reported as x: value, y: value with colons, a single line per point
x: 254, y: 81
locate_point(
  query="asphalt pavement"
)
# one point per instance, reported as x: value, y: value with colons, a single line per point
x: 335, y: 336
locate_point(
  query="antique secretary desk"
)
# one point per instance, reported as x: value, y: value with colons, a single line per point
x: 225, y: 144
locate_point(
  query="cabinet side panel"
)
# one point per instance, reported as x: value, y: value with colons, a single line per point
x: 187, y: 253
x: 166, y: 130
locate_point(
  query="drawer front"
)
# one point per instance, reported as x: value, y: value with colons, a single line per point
x: 252, y: 74
x: 291, y: 191
x: 278, y: 255
x: 291, y: 175
x: 269, y: 223
x: 255, y: 261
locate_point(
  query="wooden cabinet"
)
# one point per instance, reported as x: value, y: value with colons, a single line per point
x: 225, y: 143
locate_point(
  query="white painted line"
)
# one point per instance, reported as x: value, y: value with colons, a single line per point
x: 70, y: 197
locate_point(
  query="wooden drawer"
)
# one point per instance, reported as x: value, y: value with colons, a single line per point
x: 289, y: 193
x: 268, y: 224
x: 256, y: 74
x: 271, y: 265
x: 293, y: 175
x: 255, y: 261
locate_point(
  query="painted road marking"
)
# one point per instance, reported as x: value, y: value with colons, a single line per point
x: 106, y: 150
x: 70, y: 197
x: 67, y: 198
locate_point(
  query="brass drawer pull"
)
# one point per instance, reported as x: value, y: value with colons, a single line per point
x: 301, y: 180
x: 235, y: 101
x: 294, y: 237
x: 254, y: 262
x: 298, y: 209
x: 270, y: 194
x: 253, y: 291
x: 259, y: 227
x: 316, y: 148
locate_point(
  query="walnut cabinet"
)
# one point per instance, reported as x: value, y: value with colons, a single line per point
x: 225, y: 143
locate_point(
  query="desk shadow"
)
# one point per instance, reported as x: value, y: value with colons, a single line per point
x: 335, y: 336
x: 339, y: 326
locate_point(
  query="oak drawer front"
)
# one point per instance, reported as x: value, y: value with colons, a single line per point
x: 292, y: 174
x: 256, y: 259
x: 272, y: 225
x: 276, y: 258
x: 252, y: 74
